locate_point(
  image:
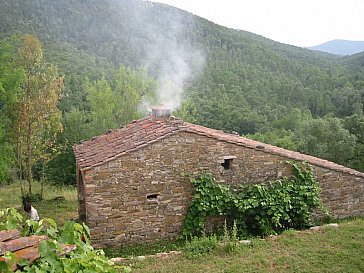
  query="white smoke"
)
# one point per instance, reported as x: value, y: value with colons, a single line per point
x: 172, y: 78
x: 168, y: 50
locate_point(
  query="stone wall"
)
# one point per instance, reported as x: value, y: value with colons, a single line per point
x: 144, y: 196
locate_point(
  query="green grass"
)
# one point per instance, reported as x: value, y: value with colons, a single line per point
x: 60, y: 211
x: 330, y: 250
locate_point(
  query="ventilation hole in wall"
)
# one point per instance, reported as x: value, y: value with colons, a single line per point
x: 152, y: 197
x: 227, y: 163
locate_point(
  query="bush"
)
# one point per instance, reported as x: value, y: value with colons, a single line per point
x: 31, y: 198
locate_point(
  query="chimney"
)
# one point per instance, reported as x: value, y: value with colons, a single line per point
x: 160, y: 112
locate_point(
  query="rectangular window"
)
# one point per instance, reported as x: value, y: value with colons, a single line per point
x: 227, y: 161
x: 152, y: 197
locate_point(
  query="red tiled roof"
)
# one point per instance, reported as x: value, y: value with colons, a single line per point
x: 120, y: 141
x: 145, y: 131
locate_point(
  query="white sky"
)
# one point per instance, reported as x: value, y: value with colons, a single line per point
x: 296, y: 22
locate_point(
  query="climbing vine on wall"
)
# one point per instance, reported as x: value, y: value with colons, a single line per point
x: 259, y: 209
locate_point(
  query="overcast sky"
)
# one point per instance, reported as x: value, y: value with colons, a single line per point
x: 296, y: 22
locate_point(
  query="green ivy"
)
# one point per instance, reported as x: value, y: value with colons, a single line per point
x: 259, y: 209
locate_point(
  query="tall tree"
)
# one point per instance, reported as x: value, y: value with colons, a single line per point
x: 38, y: 118
x: 10, y: 80
x: 104, y: 102
x: 136, y: 90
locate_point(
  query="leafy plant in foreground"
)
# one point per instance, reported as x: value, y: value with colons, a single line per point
x: 83, y: 259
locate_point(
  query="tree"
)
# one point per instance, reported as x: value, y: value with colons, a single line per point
x: 355, y: 125
x: 117, y: 104
x: 136, y: 89
x: 10, y: 80
x: 37, y: 116
x: 61, y: 169
x: 327, y: 138
x: 104, y: 105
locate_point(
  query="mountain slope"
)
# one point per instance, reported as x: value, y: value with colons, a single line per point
x: 236, y: 80
x: 340, y: 47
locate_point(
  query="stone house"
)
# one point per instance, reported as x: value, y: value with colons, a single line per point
x: 131, y: 186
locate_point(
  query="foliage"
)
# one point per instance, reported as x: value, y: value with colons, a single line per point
x: 37, y: 118
x: 355, y: 125
x: 10, y: 219
x: 10, y: 80
x: 331, y: 138
x: 209, y: 198
x: 326, y: 138
x: 260, y: 209
x: 31, y: 198
x: 83, y: 259
x: 118, y: 103
x: 6, y: 155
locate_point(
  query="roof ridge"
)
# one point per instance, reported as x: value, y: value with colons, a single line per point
x: 268, y: 148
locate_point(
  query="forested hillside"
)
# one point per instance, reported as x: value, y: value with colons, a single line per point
x: 116, y: 57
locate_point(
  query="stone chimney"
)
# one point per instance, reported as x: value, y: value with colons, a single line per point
x: 161, y: 112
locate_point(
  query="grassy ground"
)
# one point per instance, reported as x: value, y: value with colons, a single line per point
x: 59, y: 210
x: 145, y: 249
x: 329, y: 250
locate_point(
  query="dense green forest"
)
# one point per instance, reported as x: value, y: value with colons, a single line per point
x: 113, y: 58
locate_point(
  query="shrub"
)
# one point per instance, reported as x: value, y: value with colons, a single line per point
x: 31, y: 198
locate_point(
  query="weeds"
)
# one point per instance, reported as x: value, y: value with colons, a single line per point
x: 200, y: 246
x: 231, y: 239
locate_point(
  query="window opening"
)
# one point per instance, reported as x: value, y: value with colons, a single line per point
x: 226, y: 164
x: 227, y: 161
x: 152, y: 197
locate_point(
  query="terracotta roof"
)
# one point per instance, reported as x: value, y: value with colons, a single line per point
x: 24, y: 247
x: 148, y: 130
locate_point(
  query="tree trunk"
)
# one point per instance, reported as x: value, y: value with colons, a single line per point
x: 19, y: 171
x: 29, y: 151
x: 42, y: 184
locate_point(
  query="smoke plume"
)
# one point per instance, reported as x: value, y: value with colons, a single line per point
x: 168, y: 54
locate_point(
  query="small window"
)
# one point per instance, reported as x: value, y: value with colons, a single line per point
x: 227, y: 161
x: 227, y: 164
x: 152, y: 197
